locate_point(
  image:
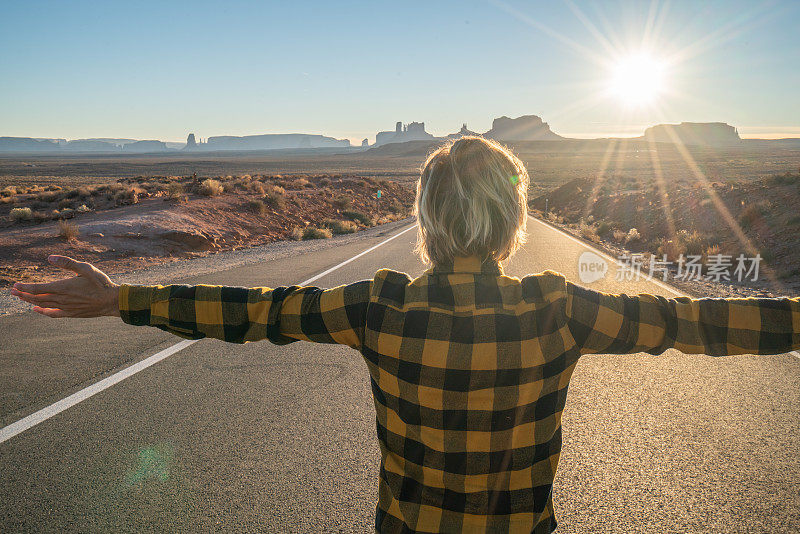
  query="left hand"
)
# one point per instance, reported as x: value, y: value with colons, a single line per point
x: 89, y: 294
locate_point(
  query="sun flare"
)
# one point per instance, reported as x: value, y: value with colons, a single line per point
x: 637, y: 80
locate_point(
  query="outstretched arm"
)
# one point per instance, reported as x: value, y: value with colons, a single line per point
x: 618, y: 324
x: 235, y: 314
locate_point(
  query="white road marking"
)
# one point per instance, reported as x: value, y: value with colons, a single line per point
x: 44, y: 414
x: 659, y: 283
x: 56, y: 408
x: 599, y: 252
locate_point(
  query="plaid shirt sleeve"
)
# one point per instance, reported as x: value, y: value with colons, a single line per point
x: 238, y: 315
x: 620, y: 324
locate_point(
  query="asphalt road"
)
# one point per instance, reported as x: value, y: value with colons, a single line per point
x: 260, y: 438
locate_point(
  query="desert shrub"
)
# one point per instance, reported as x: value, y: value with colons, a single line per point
x: 633, y: 235
x: 174, y: 190
x: 65, y: 203
x: 340, y: 227
x: 241, y: 184
x: 296, y: 234
x: 40, y: 204
x: 604, y: 228
x: 297, y: 183
x: 324, y: 182
x: 673, y: 248
x: 257, y: 207
x: 395, y: 206
x: 753, y: 213
x: 358, y: 216
x: 619, y: 236
x: 274, y: 199
x: 587, y: 231
x: 342, y: 202
x: 210, y: 188
x: 8, y: 191
x: 694, y: 242
x: 83, y: 208
x: 81, y: 192
x: 312, y: 232
x: 553, y: 217
x: 21, y: 214
x: 257, y: 187
x: 120, y: 197
x: 712, y: 250
x: 67, y: 230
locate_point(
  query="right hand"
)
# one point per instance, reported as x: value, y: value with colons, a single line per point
x: 89, y: 294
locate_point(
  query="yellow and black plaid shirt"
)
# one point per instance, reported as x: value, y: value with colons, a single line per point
x: 469, y: 369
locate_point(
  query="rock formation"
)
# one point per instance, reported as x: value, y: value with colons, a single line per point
x: 191, y: 142
x: 145, y: 146
x: 91, y: 145
x: 273, y: 142
x: 26, y: 144
x: 524, y: 128
x: 461, y: 133
x: 365, y: 142
x: 414, y: 131
x: 694, y: 133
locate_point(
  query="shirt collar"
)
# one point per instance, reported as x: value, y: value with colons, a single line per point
x: 468, y: 264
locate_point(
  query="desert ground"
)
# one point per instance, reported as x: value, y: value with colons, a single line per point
x: 126, y: 212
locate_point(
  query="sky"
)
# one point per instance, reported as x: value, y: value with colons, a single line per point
x: 160, y: 70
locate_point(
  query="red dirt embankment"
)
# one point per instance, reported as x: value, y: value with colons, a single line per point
x: 167, y: 219
x: 688, y: 217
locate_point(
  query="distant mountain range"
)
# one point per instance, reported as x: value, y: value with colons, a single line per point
x: 524, y: 128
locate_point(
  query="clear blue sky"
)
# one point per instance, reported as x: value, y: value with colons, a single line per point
x: 159, y: 70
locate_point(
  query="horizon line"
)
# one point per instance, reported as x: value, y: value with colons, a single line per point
x: 791, y: 133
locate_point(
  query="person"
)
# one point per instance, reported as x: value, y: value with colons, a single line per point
x: 469, y: 367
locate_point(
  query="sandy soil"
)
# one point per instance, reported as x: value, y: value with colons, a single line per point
x: 154, y: 231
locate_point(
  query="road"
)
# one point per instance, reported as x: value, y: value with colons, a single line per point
x: 260, y: 438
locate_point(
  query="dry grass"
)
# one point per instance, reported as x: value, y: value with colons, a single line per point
x: 275, y: 197
x: 257, y: 207
x: 342, y: 202
x: 68, y: 231
x: 175, y: 190
x: 340, y: 227
x: 312, y: 232
x: 588, y: 231
x: 633, y: 236
x: 21, y: 214
x: 358, y: 216
x: 210, y: 188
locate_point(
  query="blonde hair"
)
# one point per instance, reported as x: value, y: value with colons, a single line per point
x: 471, y: 201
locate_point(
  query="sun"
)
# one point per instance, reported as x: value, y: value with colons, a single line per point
x: 637, y: 80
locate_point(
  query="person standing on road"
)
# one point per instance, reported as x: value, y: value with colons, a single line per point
x: 469, y: 368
